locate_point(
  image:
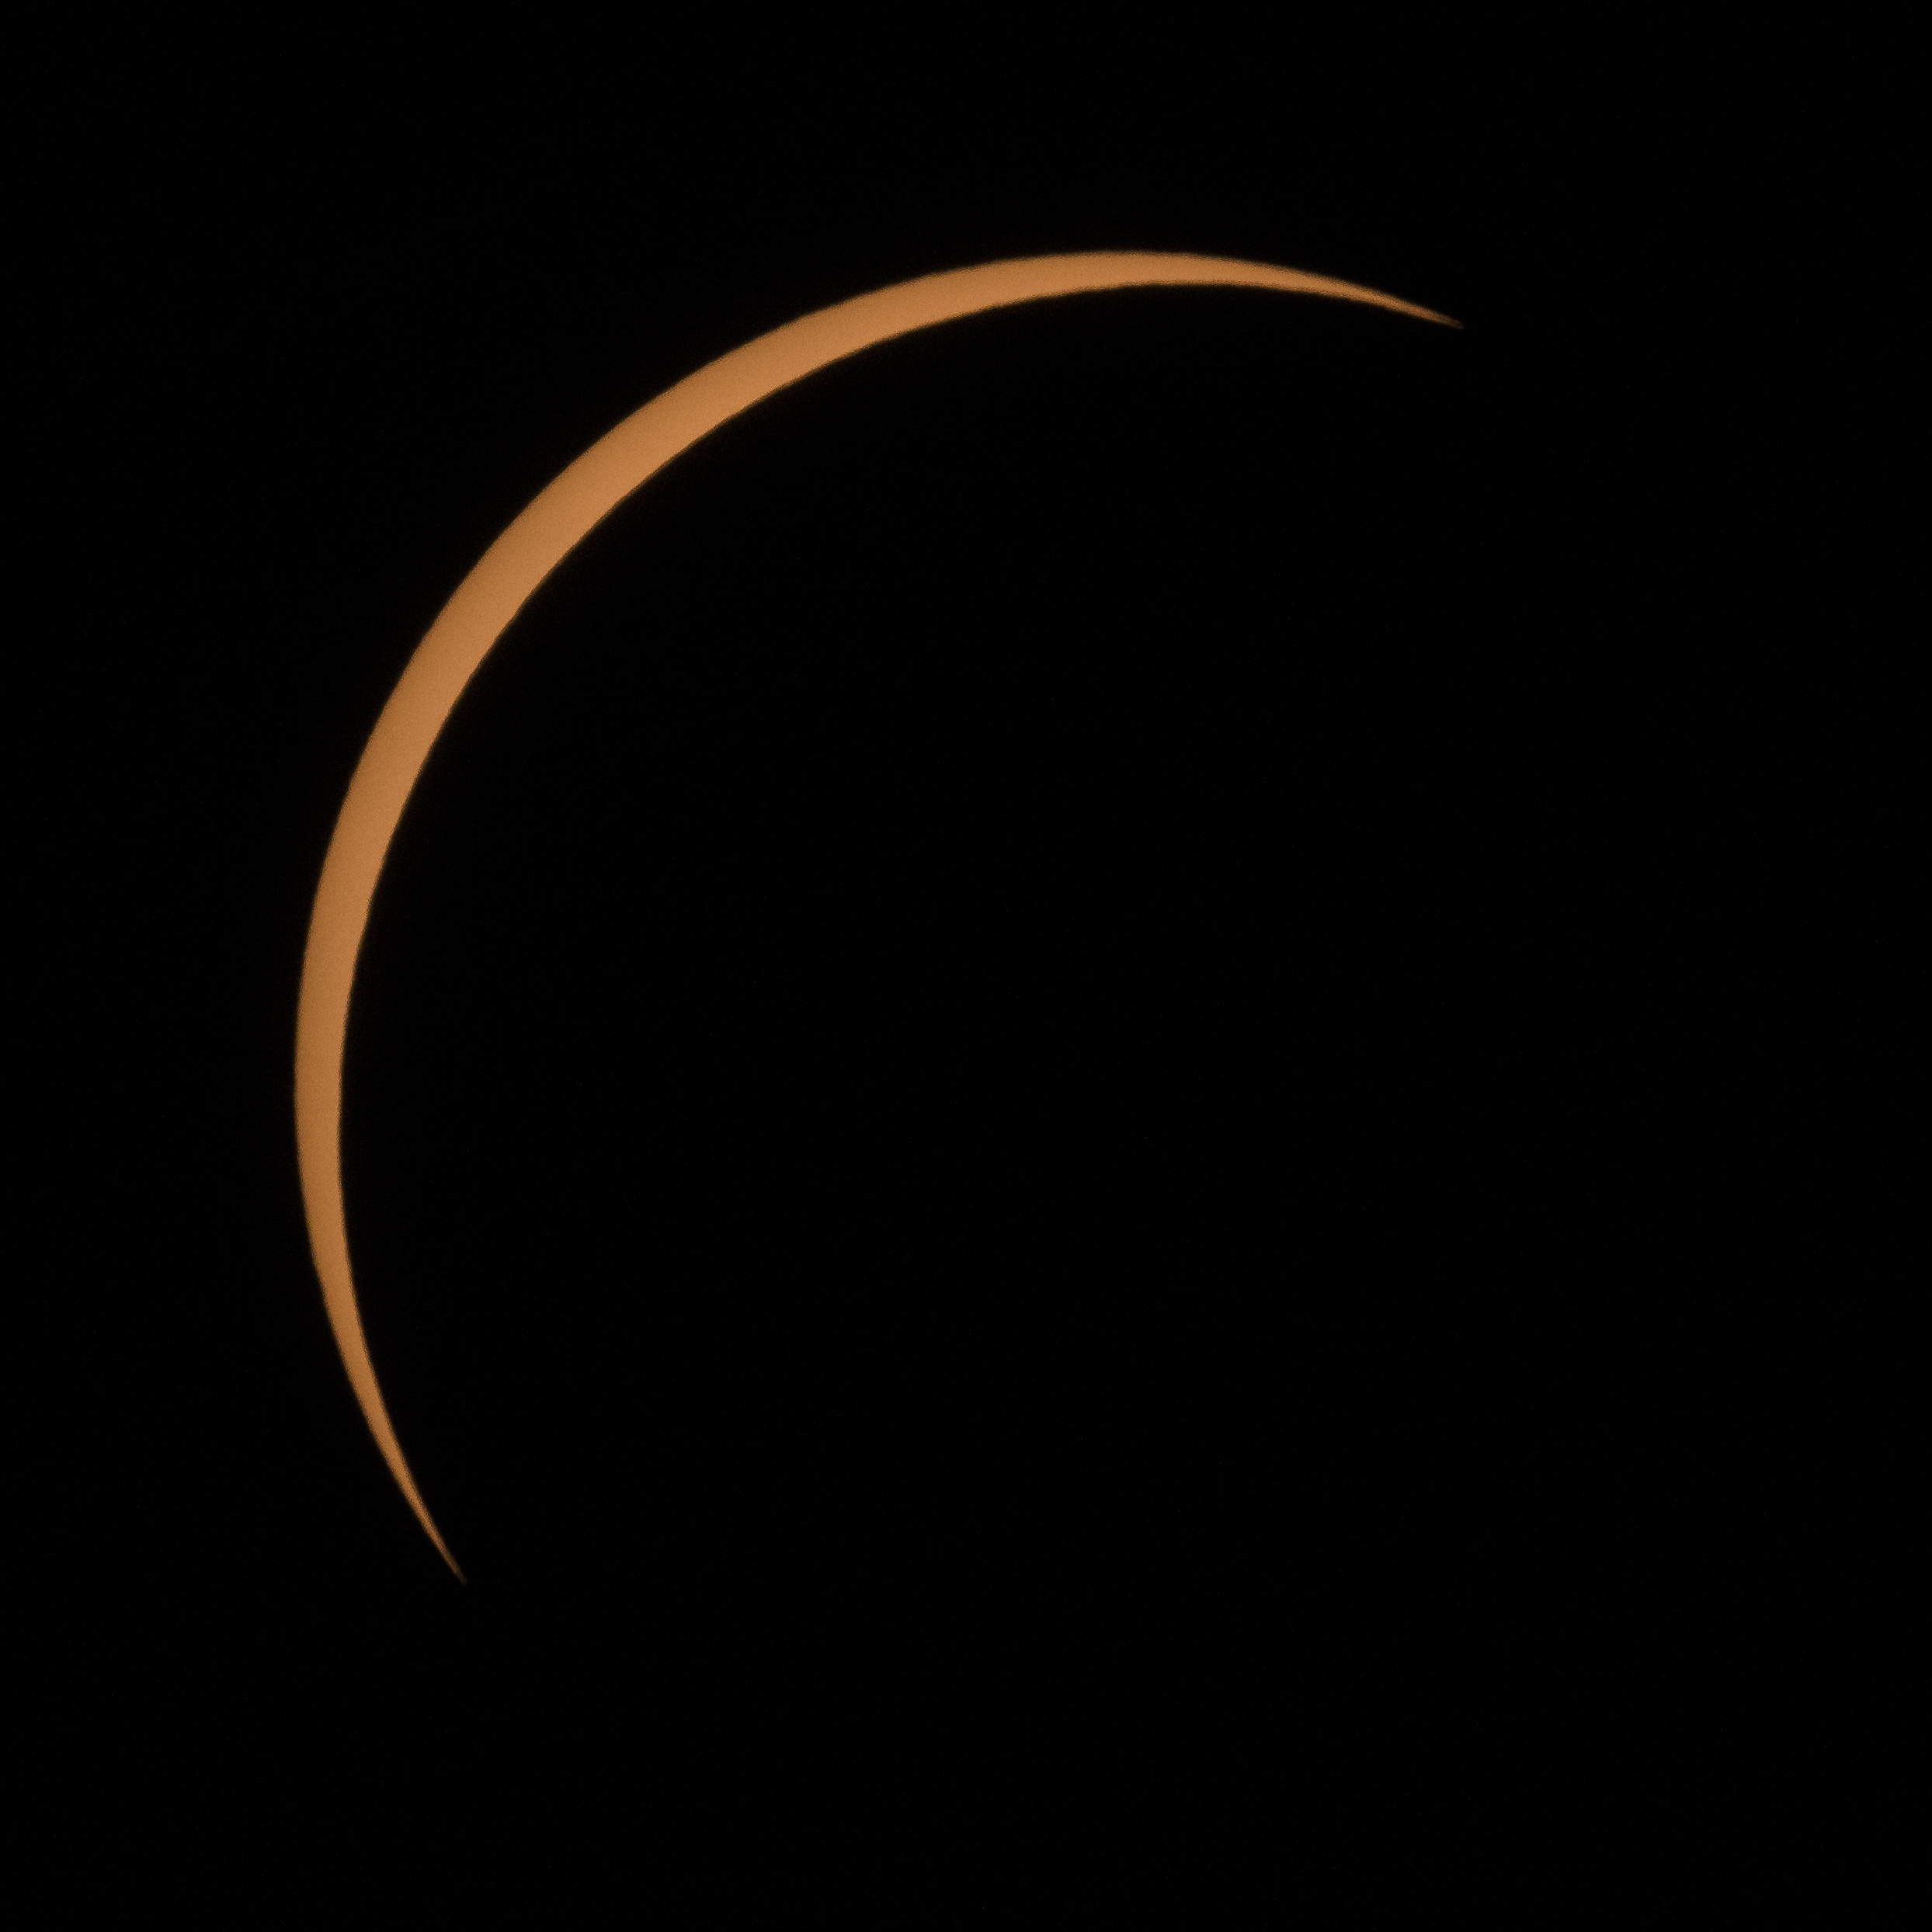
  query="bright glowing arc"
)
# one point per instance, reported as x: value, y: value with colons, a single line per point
x: 497, y: 589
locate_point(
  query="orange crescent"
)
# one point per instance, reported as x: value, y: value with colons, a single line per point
x: 497, y: 589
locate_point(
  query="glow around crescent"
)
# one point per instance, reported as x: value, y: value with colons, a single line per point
x: 498, y: 588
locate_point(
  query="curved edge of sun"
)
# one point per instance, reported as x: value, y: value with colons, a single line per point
x: 502, y: 582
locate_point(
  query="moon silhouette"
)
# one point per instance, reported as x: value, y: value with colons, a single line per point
x: 492, y: 594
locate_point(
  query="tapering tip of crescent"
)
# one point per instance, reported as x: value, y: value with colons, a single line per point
x: 497, y: 589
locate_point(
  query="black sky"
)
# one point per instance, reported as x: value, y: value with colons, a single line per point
x: 1064, y: 1117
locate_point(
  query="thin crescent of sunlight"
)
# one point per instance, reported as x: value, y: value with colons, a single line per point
x: 503, y: 580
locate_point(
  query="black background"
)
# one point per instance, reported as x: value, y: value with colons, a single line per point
x: 1067, y: 1119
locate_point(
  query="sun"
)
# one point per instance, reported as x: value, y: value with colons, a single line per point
x: 503, y: 580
